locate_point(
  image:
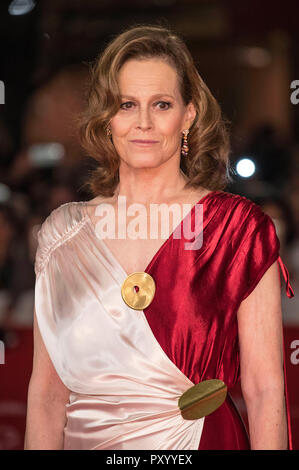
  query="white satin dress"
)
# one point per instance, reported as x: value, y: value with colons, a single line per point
x: 124, y: 389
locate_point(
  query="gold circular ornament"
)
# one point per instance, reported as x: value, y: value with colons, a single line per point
x: 202, y: 399
x: 138, y: 290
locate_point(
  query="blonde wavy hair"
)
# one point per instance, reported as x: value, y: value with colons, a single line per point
x: 207, y: 163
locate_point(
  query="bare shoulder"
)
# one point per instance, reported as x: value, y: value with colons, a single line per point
x: 92, y: 204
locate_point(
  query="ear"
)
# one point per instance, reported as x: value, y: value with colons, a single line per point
x: 190, y: 115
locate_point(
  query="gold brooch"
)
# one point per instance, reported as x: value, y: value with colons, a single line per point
x: 202, y: 399
x: 138, y: 290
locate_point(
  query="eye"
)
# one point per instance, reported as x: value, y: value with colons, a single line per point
x: 123, y: 104
x: 169, y: 105
x: 166, y: 105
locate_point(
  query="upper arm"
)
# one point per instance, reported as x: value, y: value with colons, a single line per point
x: 261, y: 336
x: 45, y: 383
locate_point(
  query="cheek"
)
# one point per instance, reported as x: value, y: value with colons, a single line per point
x: 120, y: 126
x: 170, y: 126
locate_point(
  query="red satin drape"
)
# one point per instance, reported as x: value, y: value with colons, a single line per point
x: 198, y: 292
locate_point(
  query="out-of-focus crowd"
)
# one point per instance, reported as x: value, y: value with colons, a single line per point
x: 46, y: 170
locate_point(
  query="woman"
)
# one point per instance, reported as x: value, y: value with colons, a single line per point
x: 108, y: 373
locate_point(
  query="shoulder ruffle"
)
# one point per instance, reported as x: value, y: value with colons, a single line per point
x: 244, y: 216
x: 254, y: 241
x: 60, y: 224
x: 242, y: 207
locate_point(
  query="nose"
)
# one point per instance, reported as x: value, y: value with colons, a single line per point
x: 144, y: 120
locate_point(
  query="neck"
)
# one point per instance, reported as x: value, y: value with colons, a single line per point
x: 146, y: 188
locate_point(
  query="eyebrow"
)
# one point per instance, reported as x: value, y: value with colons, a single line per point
x: 154, y: 96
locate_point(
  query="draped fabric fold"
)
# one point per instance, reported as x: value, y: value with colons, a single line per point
x: 126, y: 369
x: 285, y: 272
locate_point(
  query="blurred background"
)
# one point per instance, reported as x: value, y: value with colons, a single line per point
x: 248, y: 54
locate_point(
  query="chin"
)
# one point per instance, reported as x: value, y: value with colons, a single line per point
x: 144, y: 160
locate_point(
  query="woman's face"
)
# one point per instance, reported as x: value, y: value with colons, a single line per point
x: 152, y: 109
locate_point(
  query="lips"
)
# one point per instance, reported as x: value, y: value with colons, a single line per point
x: 138, y: 141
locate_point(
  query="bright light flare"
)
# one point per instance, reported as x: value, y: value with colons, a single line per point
x: 245, y: 167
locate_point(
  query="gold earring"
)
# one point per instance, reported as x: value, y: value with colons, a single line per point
x: 185, y: 148
x: 108, y: 131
